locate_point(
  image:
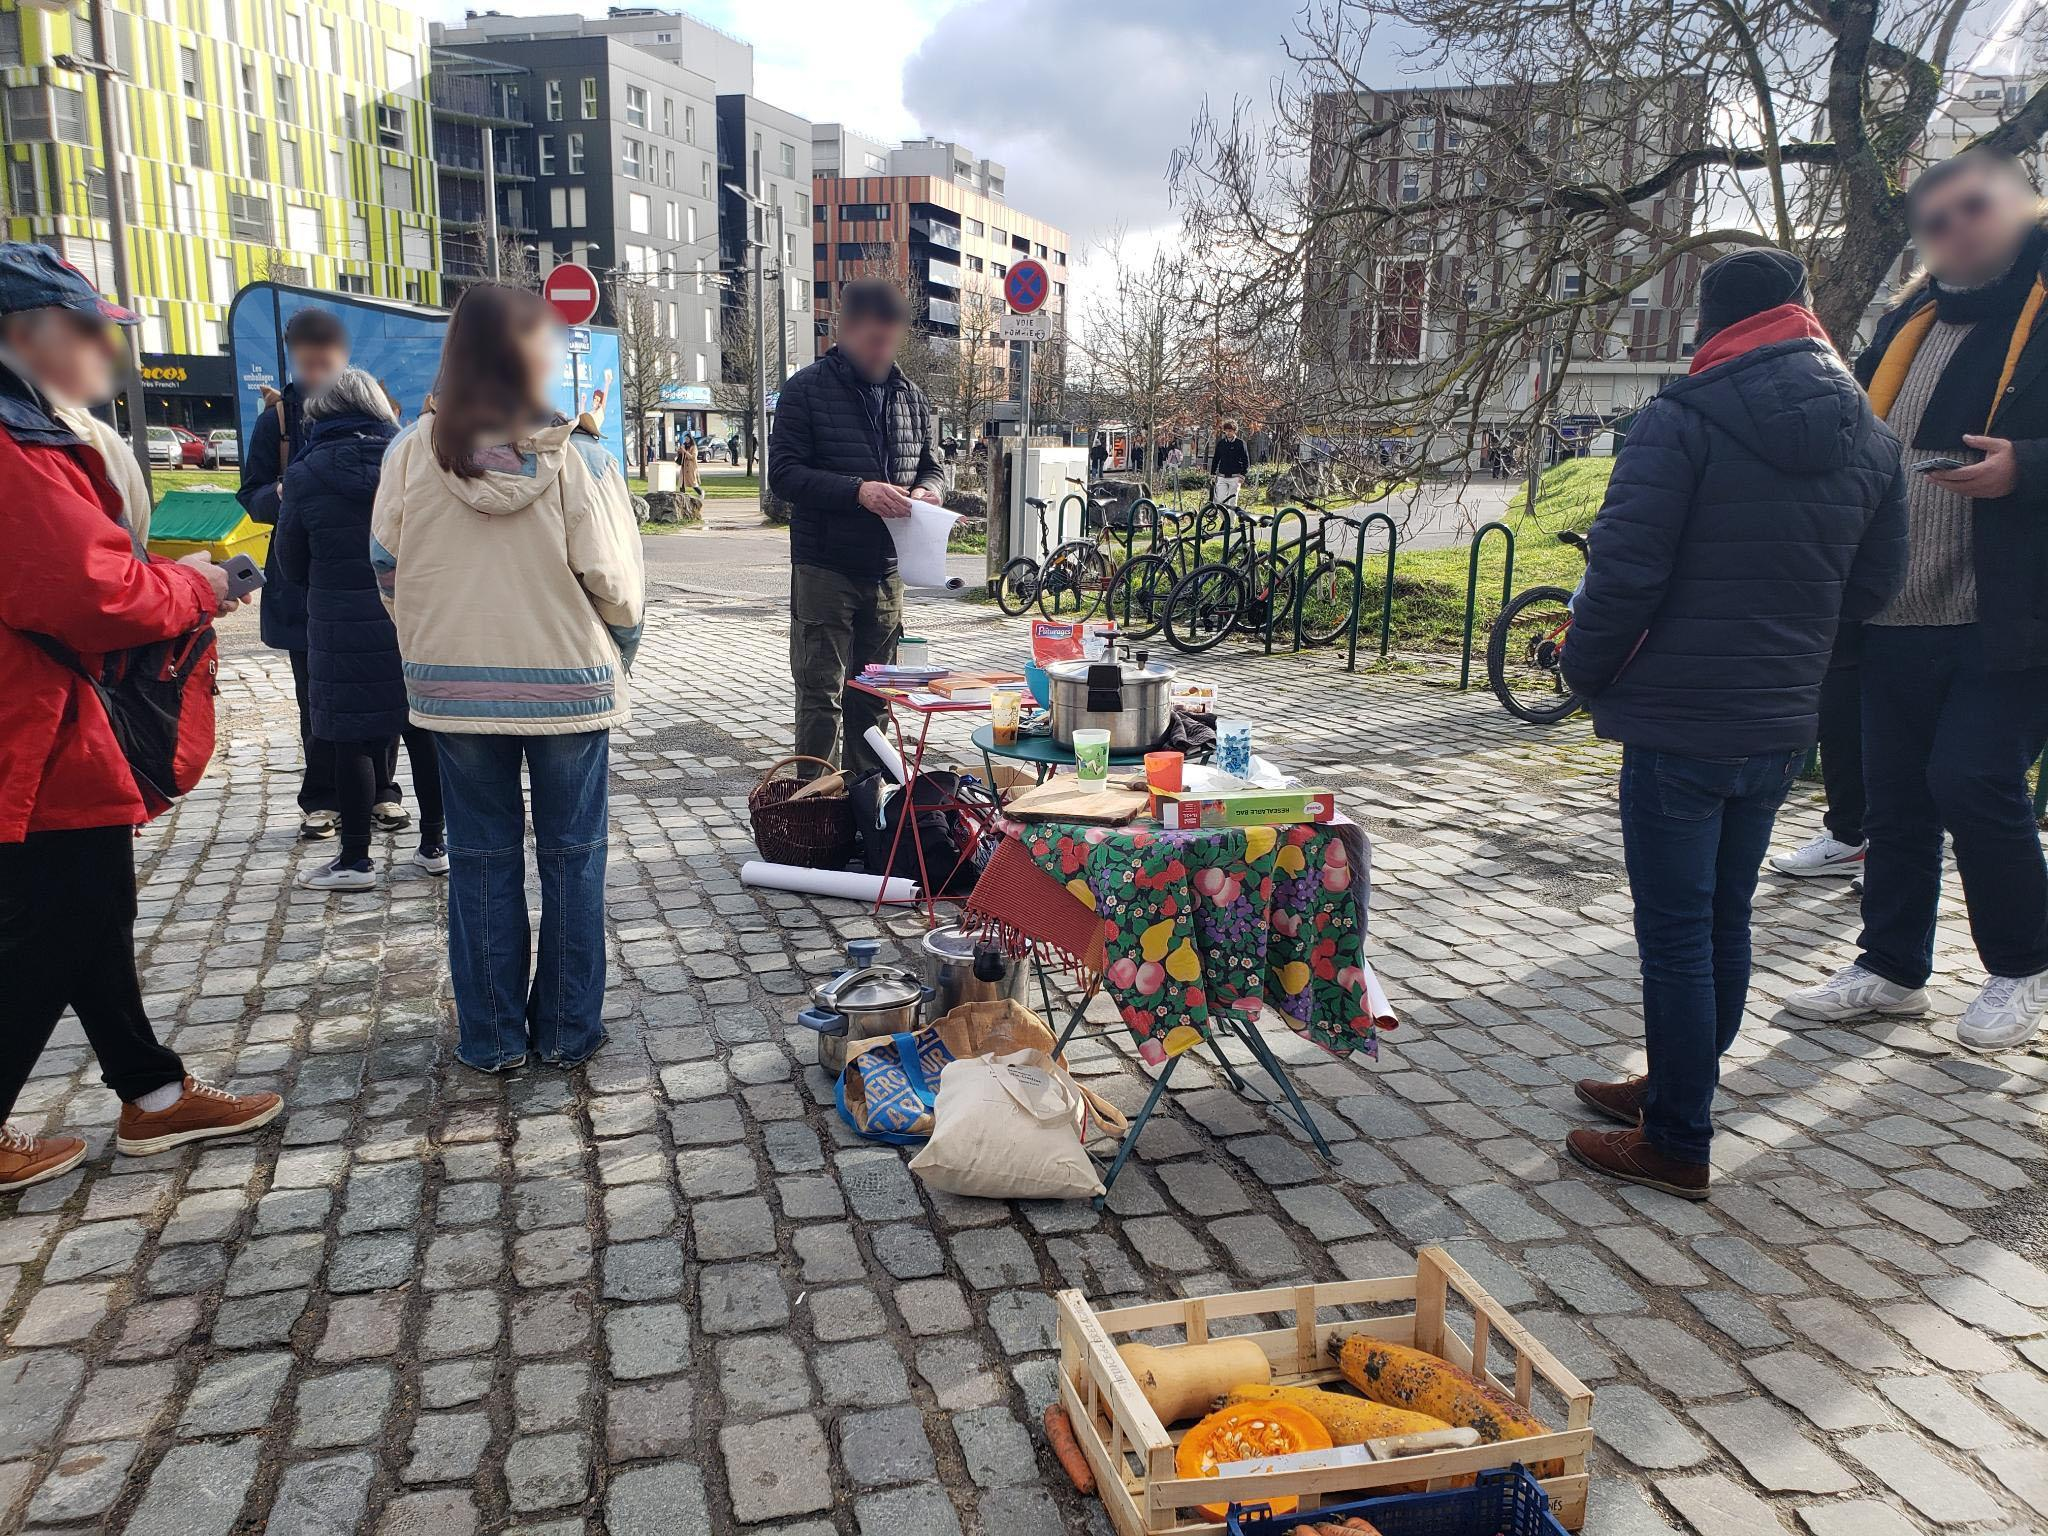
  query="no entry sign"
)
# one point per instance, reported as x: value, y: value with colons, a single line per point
x: 572, y: 289
x: 1027, y: 286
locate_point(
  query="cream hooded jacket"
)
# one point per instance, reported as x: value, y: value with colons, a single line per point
x: 518, y: 595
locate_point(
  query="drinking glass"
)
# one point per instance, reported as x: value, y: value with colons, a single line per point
x: 1091, y: 758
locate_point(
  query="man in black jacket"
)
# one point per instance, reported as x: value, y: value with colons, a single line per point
x: 1755, y: 504
x: 854, y: 444
x: 1229, y: 463
x: 1955, y: 669
x: 317, y: 346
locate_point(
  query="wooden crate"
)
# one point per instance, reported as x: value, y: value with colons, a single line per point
x: 1132, y: 1453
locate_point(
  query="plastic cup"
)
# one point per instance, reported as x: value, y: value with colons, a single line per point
x: 913, y: 651
x: 1005, y: 711
x: 1162, y: 771
x: 1091, y: 758
x: 1234, y: 747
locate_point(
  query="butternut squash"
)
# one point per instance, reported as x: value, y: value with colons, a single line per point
x: 1184, y: 1381
x: 1402, y: 1377
x: 1350, y: 1420
x: 1248, y: 1432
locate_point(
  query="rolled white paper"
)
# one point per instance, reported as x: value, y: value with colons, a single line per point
x: 879, y: 745
x: 854, y: 885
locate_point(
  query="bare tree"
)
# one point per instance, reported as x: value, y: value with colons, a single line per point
x: 737, y: 394
x: 1137, y: 340
x: 1440, y: 250
x: 649, y: 360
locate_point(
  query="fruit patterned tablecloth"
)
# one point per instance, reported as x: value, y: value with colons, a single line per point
x: 1196, y: 922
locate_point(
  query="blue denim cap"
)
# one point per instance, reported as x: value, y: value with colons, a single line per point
x: 36, y: 277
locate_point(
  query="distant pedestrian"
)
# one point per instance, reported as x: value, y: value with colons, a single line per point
x: 854, y: 445
x: 76, y: 587
x: 358, y: 685
x: 505, y: 545
x: 1098, y: 455
x: 1764, y: 472
x: 686, y: 461
x: 1229, y: 463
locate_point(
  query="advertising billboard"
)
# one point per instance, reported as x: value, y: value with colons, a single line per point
x: 401, y: 345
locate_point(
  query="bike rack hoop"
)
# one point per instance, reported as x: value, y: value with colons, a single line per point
x: 1300, y: 547
x: 1507, y: 587
x: 1360, y: 525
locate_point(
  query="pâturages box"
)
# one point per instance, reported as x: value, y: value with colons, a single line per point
x: 1187, y: 810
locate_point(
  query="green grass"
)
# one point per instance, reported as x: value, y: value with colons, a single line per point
x: 163, y: 481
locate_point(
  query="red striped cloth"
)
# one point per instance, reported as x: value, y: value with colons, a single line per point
x: 1019, y: 905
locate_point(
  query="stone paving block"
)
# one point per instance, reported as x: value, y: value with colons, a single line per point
x: 1712, y: 1502
x: 84, y: 1482
x: 1630, y: 1421
x: 547, y: 1472
x: 197, y: 1490
x: 322, y: 1498
x: 906, y: 1512
x: 828, y: 1253
x: 886, y: 1447
x: 549, y: 1395
x: 1922, y: 1479
x: 996, y: 1448
x: 762, y: 1375
x: 345, y: 1408
x: 1767, y: 1441
x: 445, y: 1512
x: 776, y: 1468
x: 1936, y: 1406
x: 62, y: 1314
x: 121, y: 1402
x: 649, y: 1419
x: 736, y: 1298
x: 1860, y: 1517
x: 446, y: 1447
x: 234, y: 1394
x: 647, y: 1341
x: 656, y: 1501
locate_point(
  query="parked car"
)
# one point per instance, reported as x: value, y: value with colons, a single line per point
x: 223, y: 447
x: 165, y: 451
x: 711, y: 453
x: 191, y: 447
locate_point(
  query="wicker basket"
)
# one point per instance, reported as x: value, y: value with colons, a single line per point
x: 816, y: 832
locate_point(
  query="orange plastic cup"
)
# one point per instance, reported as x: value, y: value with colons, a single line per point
x: 1163, y: 770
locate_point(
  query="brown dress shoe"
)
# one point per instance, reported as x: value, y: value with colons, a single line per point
x: 203, y: 1113
x: 26, y: 1159
x: 1621, y: 1102
x: 1628, y: 1155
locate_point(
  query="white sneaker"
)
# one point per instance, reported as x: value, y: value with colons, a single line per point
x: 338, y: 876
x: 1853, y: 993
x: 432, y: 857
x: 2005, y: 1014
x: 1825, y: 855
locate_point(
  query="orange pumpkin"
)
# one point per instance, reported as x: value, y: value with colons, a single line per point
x: 1248, y: 1432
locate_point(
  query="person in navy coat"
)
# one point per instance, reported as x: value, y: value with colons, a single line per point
x: 357, y: 683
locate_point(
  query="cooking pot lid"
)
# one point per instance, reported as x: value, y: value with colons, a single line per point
x: 1077, y: 671
x: 879, y: 986
x: 951, y: 943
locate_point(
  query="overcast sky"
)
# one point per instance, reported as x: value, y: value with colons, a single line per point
x: 1083, y: 100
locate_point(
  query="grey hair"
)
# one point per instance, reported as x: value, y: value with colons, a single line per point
x: 351, y: 392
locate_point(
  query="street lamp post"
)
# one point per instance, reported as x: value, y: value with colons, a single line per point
x: 104, y: 74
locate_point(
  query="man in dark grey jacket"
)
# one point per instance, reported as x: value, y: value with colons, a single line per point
x: 853, y: 445
x: 1756, y: 503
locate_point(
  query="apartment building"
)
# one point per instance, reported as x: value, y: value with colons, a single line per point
x: 931, y: 213
x: 1406, y: 302
x: 766, y: 153
x: 286, y: 140
x: 480, y: 103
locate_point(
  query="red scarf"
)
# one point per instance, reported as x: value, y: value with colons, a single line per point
x: 1788, y: 322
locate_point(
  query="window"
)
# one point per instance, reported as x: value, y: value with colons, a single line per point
x: 223, y: 279
x: 21, y: 183
x: 284, y: 97
x: 629, y: 158
x: 690, y: 226
x: 671, y: 223
x: 788, y: 159
x: 337, y: 173
x: 351, y: 119
x: 689, y: 124
x: 1000, y: 236
x: 1059, y: 258
x: 575, y: 154
x: 302, y: 228
x: 10, y: 45
x: 294, y: 36
x: 248, y: 216
x: 546, y: 144
x: 976, y: 227
x: 1397, y: 309
x: 590, y: 96
x: 876, y: 163
x: 710, y: 325
x: 704, y: 179
x: 188, y: 70
x: 1411, y: 184
x: 197, y: 147
x: 330, y: 45
x: 1572, y: 284
x: 290, y: 165
x: 636, y: 106
x: 554, y: 101
x: 390, y: 125
x: 1422, y: 137
x: 354, y: 282
x: 974, y: 264
x: 1038, y: 250
x: 869, y: 213
x: 250, y: 102
x: 1639, y: 299
x: 668, y: 117
x: 998, y: 269
x: 800, y: 207
x: 397, y: 184
x: 639, y: 213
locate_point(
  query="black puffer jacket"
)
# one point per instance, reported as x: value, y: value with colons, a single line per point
x: 282, y: 602
x: 828, y: 438
x: 1753, y: 506
x: 1230, y: 457
x: 323, y: 544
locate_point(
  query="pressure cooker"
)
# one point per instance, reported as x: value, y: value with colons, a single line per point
x: 861, y: 1004
x: 1130, y: 698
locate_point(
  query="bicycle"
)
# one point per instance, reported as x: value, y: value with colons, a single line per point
x: 1330, y: 589
x: 1075, y: 571
x: 1525, y: 651
x: 1219, y: 597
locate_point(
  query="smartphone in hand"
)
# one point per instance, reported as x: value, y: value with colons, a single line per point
x: 1941, y: 463
x: 244, y: 576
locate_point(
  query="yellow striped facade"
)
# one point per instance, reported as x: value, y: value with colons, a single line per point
x: 265, y: 138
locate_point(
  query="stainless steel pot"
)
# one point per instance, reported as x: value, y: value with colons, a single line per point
x: 873, y: 1000
x: 948, y: 959
x: 1133, y: 702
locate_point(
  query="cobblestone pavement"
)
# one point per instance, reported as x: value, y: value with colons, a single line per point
x: 670, y: 1294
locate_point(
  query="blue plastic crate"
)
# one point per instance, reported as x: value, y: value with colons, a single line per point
x: 1504, y: 1502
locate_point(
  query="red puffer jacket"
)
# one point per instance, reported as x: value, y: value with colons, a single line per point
x: 70, y: 572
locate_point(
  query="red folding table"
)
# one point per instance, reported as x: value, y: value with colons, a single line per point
x: 925, y: 707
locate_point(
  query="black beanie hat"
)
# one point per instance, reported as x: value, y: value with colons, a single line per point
x: 1745, y: 284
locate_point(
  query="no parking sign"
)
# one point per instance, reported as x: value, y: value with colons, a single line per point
x: 1026, y: 286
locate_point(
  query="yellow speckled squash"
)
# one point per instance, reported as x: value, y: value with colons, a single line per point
x: 1350, y: 1420
x: 1413, y: 1379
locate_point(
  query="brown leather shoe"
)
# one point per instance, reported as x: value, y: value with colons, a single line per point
x: 26, y: 1159
x: 1621, y: 1102
x: 1628, y: 1155
x: 203, y: 1113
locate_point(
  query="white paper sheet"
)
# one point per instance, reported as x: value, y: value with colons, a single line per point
x: 921, y: 543
x: 853, y: 885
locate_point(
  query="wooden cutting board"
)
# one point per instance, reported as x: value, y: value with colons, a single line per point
x: 1063, y: 799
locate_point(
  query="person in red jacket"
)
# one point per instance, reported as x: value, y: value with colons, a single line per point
x: 68, y: 803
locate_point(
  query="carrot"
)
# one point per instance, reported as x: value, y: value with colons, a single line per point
x: 1059, y: 1434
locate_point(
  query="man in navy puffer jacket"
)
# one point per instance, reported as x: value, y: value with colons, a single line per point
x: 1756, y: 504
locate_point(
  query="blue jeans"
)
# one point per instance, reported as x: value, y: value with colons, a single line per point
x: 1695, y: 830
x: 501, y: 1017
x: 1947, y: 744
